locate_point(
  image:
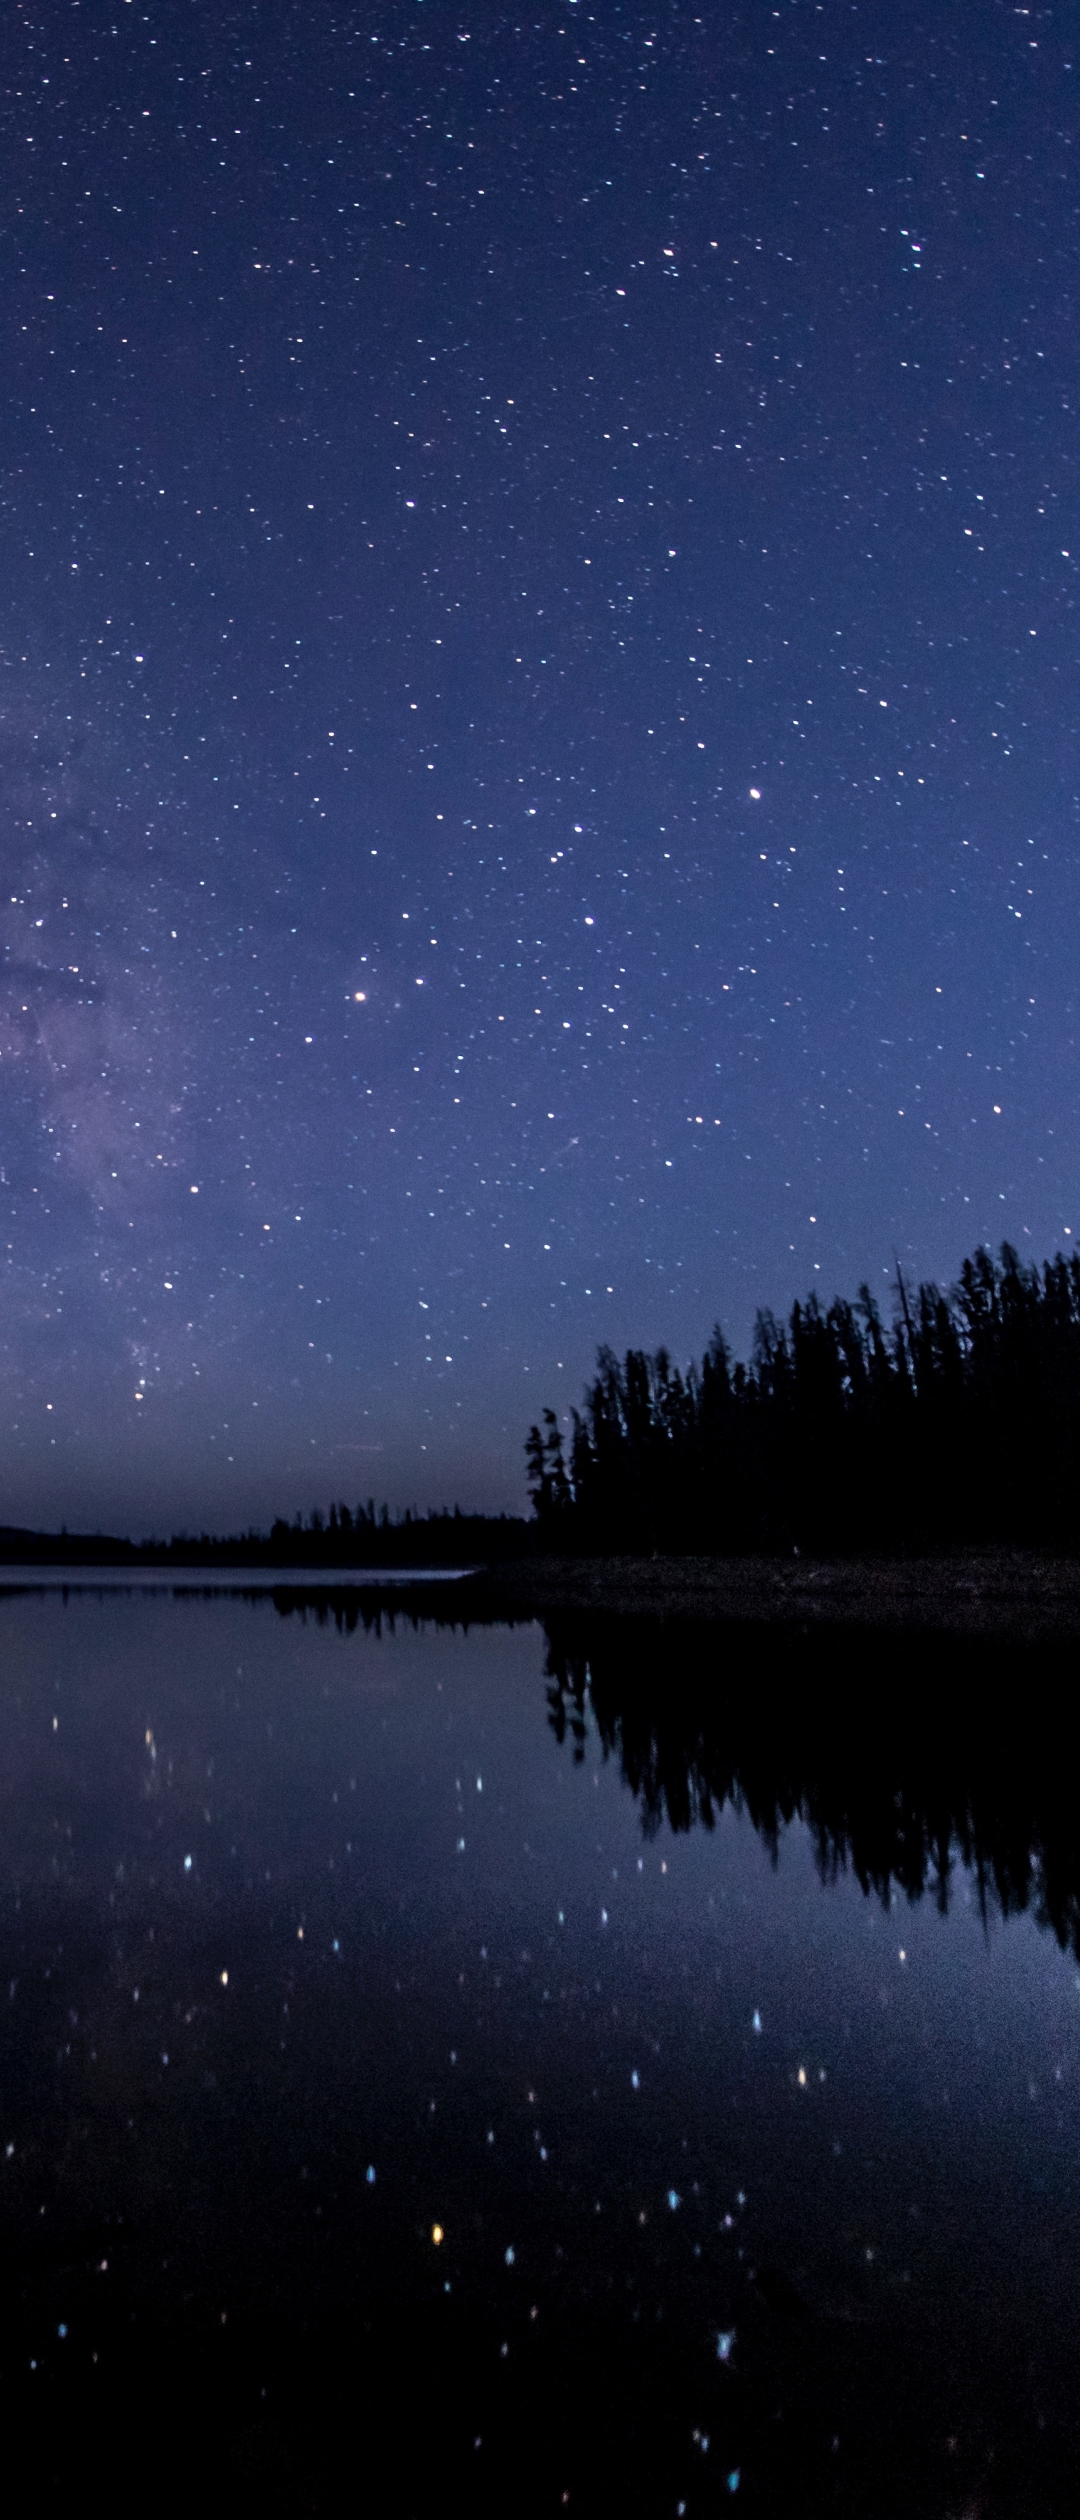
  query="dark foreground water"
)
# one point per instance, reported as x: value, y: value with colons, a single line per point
x: 399, y: 2114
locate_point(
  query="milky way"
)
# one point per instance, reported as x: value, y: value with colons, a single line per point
x: 537, y: 712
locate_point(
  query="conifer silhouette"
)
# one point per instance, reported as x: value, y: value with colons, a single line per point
x: 960, y: 1425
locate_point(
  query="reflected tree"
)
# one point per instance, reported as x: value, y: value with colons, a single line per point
x: 902, y: 1772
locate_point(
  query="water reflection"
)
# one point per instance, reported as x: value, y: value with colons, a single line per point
x: 904, y: 1764
x: 733, y: 2176
x: 904, y: 1759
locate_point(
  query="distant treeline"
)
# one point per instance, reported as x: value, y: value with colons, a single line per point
x: 346, y: 1536
x: 957, y: 1425
x: 366, y: 1536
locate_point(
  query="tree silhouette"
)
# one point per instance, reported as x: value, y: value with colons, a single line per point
x: 959, y: 1425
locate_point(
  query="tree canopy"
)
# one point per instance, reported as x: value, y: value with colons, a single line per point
x: 958, y: 1424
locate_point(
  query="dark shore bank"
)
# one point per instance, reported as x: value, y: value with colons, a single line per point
x: 1005, y: 1595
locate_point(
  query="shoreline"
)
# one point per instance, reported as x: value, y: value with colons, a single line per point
x: 1000, y: 1594
x: 40, y: 1575
x: 1010, y: 1596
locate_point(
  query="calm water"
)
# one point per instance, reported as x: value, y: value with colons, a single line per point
x: 395, y: 2106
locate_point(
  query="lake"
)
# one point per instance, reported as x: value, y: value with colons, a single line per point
x: 624, y: 2067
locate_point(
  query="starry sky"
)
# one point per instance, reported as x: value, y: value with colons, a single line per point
x: 537, y: 710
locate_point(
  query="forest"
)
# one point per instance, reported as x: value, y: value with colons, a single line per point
x: 957, y: 1425
x: 361, y: 1536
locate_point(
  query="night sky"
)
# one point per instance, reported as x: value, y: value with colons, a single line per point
x: 538, y: 653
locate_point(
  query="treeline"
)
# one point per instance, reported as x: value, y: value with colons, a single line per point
x: 957, y: 1425
x: 370, y: 1536
x: 346, y: 1536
